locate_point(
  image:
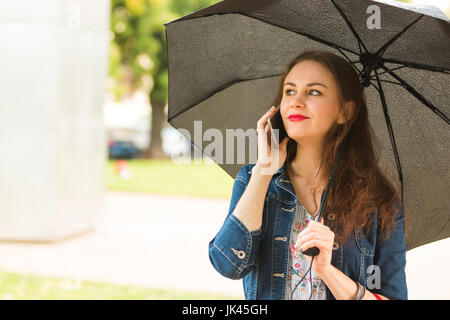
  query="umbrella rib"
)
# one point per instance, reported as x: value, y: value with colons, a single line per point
x: 416, y: 65
x: 282, y: 27
x: 359, y: 46
x: 392, y: 70
x: 226, y: 85
x: 349, y: 60
x: 352, y: 29
x: 337, y: 47
x: 391, y: 134
x: 375, y: 86
x: 381, y: 51
x: 419, y: 96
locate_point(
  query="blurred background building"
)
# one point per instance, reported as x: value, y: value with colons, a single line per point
x: 54, y: 59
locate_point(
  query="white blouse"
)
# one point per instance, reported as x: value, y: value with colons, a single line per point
x: 298, y: 265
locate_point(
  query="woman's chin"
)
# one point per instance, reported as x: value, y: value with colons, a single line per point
x: 297, y: 136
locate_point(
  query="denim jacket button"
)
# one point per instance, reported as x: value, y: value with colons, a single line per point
x: 335, y: 245
x: 240, y: 254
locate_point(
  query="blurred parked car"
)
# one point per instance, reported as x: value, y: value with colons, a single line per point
x: 118, y: 149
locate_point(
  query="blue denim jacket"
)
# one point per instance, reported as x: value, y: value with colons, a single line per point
x: 260, y: 257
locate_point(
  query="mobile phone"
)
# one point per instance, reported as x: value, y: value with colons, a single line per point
x: 276, y: 122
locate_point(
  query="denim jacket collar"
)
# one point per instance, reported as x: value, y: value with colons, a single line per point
x: 282, y: 181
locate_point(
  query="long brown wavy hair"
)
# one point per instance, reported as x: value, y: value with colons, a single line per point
x: 359, y: 185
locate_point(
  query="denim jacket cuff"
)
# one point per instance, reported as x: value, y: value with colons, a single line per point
x: 238, y: 246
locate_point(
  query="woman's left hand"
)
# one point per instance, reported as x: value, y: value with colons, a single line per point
x: 317, y: 235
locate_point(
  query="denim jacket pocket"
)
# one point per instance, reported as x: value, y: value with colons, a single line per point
x: 364, y: 244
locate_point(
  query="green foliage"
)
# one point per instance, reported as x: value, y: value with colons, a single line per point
x: 138, y: 52
x: 185, y: 7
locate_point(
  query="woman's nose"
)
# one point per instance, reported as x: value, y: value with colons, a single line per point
x: 297, y: 102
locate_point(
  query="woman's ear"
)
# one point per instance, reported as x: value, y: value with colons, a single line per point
x: 346, y: 112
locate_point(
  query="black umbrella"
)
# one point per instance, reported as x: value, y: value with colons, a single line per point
x: 221, y: 56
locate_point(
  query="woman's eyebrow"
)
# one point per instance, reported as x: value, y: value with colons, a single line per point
x: 308, y: 85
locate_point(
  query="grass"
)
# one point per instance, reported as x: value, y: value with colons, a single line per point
x: 148, y: 176
x: 166, y: 177
x: 32, y: 287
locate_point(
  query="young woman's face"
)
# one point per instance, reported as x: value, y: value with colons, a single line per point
x: 310, y: 90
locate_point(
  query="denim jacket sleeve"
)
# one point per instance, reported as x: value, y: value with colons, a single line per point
x: 233, y: 250
x: 390, y: 257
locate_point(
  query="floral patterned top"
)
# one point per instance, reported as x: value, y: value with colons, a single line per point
x: 298, y: 265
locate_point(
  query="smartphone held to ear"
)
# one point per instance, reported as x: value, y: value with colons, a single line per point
x: 275, y: 123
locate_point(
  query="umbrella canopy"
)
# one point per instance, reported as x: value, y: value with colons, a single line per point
x: 226, y: 61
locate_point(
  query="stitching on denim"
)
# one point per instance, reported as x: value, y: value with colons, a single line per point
x: 361, y: 268
x: 237, y: 267
x: 253, y: 281
x: 357, y: 240
x: 276, y: 195
x: 243, y: 175
x: 240, y: 179
x: 249, y: 237
x: 249, y: 247
x: 250, y: 285
x: 266, y: 214
x: 278, y: 198
x: 256, y: 275
x: 277, y: 183
x: 238, y: 223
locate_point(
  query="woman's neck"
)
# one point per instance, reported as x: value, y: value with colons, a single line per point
x: 306, y: 164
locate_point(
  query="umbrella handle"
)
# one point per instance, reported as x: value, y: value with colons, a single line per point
x: 314, y: 251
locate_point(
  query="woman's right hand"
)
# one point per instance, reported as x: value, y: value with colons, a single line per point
x: 269, y: 160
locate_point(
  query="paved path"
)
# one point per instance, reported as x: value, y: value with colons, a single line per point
x: 162, y: 242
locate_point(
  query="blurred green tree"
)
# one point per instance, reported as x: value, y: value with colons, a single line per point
x: 138, y: 54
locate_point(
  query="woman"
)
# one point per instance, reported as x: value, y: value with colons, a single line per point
x: 270, y: 219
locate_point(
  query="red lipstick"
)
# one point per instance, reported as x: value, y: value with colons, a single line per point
x: 297, y: 117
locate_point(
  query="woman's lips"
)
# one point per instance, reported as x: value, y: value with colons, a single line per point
x: 297, y: 118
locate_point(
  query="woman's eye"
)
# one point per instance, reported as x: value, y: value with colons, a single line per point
x: 287, y: 91
x: 318, y: 93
